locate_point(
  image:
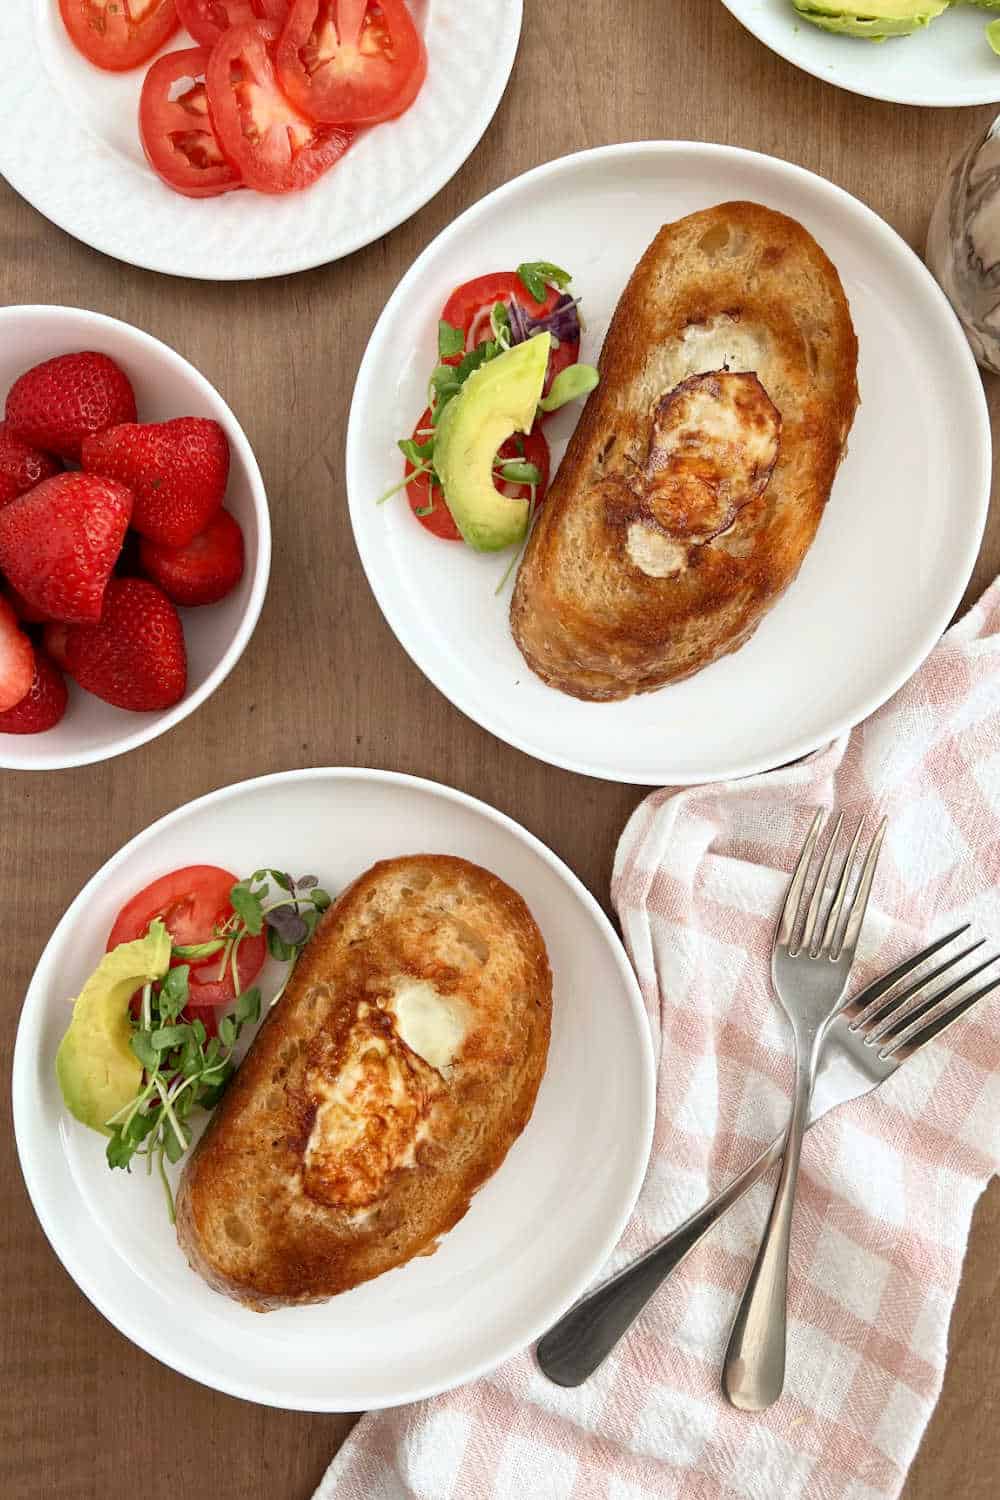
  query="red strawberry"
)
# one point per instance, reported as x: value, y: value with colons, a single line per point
x: 26, y: 613
x: 8, y: 489
x: 135, y: 657
x: 205, y: 570
x: 54, y: 638
x: 55, y: 405
x: 17, y: 659
x: 60, y: 541
x: 22, y: 465
x: 44, y: 704
x: 177, y: 469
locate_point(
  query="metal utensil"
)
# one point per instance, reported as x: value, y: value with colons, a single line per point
x: 853, y: 1064
x: 810, y: 974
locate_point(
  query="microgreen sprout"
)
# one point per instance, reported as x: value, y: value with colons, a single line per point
x: 451, y: 341
x: 538, y: 275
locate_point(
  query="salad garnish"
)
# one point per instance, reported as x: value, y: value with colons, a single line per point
x: 482, y: 320
x: 184, y: 1069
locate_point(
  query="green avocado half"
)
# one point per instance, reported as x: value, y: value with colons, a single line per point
x: 498, y: 399
x: 97, y: 1070
x: 874, y: 19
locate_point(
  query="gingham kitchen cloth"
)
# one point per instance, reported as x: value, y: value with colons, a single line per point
x: 888, y: 1185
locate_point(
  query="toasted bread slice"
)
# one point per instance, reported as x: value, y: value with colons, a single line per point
x: 684, y: 507
x: 384, y: 1088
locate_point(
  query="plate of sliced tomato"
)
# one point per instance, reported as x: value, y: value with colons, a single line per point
x: 236, y: 139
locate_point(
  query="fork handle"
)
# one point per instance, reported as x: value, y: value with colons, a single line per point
x: 574, y: 1347
x: 753, y: 1375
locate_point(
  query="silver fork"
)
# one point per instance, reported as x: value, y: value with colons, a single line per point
x: 864, y: 1046
x: 809, y: 974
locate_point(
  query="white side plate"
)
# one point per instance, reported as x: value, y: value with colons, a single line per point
x: 948, y: 63
x: 69, y: 143
x: 898, y: 540
x: 536, y: 1234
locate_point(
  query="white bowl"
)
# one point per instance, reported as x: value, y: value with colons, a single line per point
x: 216, y: 635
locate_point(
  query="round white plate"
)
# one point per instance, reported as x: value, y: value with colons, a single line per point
x: 948, y: 63
x: 537, y: 1232
x: 893, y: 554
x: 69, y: 144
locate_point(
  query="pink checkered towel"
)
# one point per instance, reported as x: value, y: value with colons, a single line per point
x: 888, y: 1184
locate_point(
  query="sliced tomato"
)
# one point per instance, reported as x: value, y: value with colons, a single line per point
x: 209, y: 985
x: 470, y: 305
x: 176, y: 129
x: 119, y: 34
x: 273, y: 146
x: 353, y: 62
x: 188, y: 900
x: 192, y: 902
x: 206, y: 20
x: 470, y: 308
x: 437, y: 518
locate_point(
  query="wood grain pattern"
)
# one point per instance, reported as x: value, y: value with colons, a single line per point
x: 83, y: 1413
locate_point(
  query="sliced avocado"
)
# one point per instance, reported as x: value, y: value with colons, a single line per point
x: 499, y: 398
x: 874, y: 19
x: 97, y: 1070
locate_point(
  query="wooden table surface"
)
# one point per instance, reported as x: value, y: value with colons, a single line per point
x: 83, y: 1413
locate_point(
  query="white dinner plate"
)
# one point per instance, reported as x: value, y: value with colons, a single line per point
x: 69, y: 144
x: 896, y: 546
x: 536, y: 1233
x: 948, y: 63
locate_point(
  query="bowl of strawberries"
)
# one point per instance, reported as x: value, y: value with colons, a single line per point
x: 135, y: 541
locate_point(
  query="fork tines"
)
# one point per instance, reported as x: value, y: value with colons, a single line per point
x: 897, y: 1018
x: 833, y: 933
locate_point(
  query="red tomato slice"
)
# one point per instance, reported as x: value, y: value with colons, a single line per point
x: 189, y: 901
x: 118, y: 34
x: 176, y: 130
x: 206, y: 20
x: 352, y: 62
x: 208, y: 986
x: 192, y: 902
x: 270, y: 143
x: 531, y: 448
x: 470, y: 306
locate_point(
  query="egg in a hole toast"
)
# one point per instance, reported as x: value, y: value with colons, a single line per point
x: 386, y: 1086
x: 699, y: 471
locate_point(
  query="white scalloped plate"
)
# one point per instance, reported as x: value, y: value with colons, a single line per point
x: 537, y: 1232
x: 898, y: 540
x: 69, y: 145
x: 947, y: 64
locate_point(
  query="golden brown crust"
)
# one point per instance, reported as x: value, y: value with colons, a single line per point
x: 271, y: 1215
x: 737, y: 286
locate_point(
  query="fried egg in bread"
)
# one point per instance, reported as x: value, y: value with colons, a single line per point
x: 385, y: 1087
x: 699, y: 471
